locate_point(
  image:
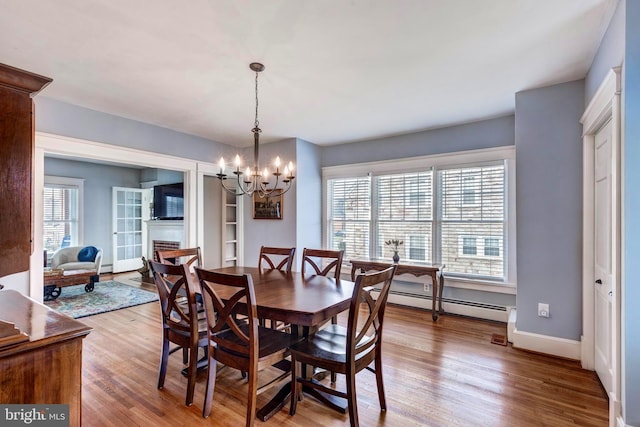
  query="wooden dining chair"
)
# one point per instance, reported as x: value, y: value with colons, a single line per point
x: 190, y: 256
x: 348, y: 350
x: 181, y: 323
x: 277, y: 258
x: 241, y: 344
x: 314, y: 259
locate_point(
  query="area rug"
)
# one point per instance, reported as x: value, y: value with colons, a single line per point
x: 107, y: 296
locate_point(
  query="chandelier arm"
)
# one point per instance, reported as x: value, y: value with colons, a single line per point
x: 227, y: 189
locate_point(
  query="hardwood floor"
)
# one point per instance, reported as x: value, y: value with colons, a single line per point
x: 444, y: 373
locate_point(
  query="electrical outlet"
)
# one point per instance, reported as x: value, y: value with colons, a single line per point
x: 543, y: 310
x: 427, y: 287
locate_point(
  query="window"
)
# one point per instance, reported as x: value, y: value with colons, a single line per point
x: 404, y: 208
x: 448, y: 210
x: 350, y: 215
x: 491, y: 247
x: 469, y: 246
x: 61, y: 220
x: 467, y: 221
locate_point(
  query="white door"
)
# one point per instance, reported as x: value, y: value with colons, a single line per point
x: 127, y: 229
x: 603, y: 259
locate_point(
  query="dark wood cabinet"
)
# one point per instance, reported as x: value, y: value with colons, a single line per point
x: 44, y: 364
x: 17, y: 131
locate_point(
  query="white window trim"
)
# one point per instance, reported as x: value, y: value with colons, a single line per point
x: 440, y: 161
x: 72, y: 182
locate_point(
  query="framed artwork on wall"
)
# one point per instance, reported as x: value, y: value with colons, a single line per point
x: 268, y: 207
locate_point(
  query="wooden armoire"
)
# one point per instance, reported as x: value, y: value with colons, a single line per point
x: 17, y: 131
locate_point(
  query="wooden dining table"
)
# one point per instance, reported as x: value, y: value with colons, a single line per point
x: 305, y: 302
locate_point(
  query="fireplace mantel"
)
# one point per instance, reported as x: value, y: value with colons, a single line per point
x: 166, y: 230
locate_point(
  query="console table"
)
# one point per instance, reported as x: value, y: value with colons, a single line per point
x: 433, y: 271
x: 40, y: 355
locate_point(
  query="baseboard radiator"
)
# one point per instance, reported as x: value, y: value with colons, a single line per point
x: 479, y: 310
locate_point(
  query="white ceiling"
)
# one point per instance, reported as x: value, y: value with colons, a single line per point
x: 336, y: 70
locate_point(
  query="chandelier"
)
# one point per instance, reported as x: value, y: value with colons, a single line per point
x: 254, y: 180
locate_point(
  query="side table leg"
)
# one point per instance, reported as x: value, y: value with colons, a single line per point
x: 440, y: 292
x: 434, y: 297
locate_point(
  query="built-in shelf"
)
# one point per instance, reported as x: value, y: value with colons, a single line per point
x: 231, y: 230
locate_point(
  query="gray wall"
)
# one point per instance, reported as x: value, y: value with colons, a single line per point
x: 99, y: 180
x: 71, y: 120
x: 471, y: 136
x: 309, y: 209
x: 631, y: 218
x: 610, y: 53
x: 549, y: 208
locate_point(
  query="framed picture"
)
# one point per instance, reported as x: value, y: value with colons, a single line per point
x: 268, y: 207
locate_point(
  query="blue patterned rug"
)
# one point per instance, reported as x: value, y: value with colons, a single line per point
x: 107, y: 296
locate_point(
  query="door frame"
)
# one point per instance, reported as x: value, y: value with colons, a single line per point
x: 604, y: 106
x: 80, y: 149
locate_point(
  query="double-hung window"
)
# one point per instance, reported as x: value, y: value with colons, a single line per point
x: 450, y: 210
x: 62, y: 213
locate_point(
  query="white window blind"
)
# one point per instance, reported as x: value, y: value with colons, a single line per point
x: 349, y: 215
x: 472, y: 220
x: 404, y: 204
x: 60, y: 216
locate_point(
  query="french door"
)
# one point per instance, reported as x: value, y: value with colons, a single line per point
x: 128, y: 239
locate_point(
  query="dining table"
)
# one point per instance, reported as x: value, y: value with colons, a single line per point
x: 305, y: 302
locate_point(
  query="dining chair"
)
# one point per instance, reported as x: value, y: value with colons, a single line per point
x: 190, y: 256
x: 241, y: 344
x: 284, y: 258
x: 314, y: 259
x: 348, y: 350
x: 280, y: 259
x: 181, y: 323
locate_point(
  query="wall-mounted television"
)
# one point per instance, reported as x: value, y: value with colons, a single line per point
x: 168, y: 201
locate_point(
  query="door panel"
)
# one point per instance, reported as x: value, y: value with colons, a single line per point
x: 603, y: 274
x: 128, y: 229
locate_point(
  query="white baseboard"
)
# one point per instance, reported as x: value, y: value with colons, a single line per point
x: 448, y: 307
x: 555, y: 346
x: 511, y: 324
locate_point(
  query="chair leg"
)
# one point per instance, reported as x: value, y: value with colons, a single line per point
x: 334, y: 321
x: 185, y: 355
x: 294, y: 387
x: 192, y: 370
x: 211, y: 384
x: 379, y: 382
x: 164, y: 359
x: 252, y: 397
x: 352, y: 400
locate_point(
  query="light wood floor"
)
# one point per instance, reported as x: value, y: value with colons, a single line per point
x: 444, y: 373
